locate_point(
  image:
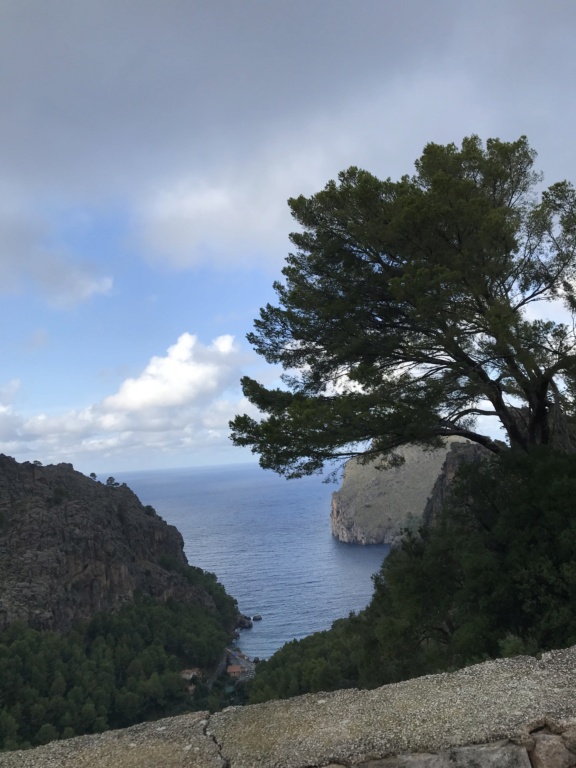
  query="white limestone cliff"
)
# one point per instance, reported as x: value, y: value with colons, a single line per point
x: 375, y: 504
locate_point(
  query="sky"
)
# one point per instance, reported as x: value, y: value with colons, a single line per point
x: 147, y: 152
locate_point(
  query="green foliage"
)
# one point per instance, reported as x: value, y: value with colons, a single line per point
x: 227, y: 607
x: 495, y: 576
x: 320, y: 662
x: 403, y: 312
x: 114, y: 671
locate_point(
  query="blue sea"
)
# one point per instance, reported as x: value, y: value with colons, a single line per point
x: 269, y: 542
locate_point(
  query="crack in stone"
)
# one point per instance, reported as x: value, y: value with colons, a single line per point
x: 225, y: 763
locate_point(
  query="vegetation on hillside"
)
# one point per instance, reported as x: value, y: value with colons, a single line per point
x: 114, y: 671
x: 495, y: 576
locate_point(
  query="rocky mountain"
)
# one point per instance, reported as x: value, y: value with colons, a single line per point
x: 375, y: 503
x: 71, y: 546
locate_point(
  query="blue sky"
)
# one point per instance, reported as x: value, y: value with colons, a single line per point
x: 148, y: 150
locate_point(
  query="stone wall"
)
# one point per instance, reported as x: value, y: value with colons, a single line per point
x: 508, y: 713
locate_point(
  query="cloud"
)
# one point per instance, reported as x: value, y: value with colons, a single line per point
x: 87, y: 105
x: 9, y: 391
x: 192, y: 221
x: 10, y: 422
x: 180, y: 404
x: 205, y: 119
x: 188, y: 373
x: 28, y: 261
x: 237, y: 214
x: 67, y: 284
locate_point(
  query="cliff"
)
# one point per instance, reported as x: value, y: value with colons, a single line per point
x: 375, y: 504
x: 509, y: 713
x: 459, y: 454
x: 71, y: 546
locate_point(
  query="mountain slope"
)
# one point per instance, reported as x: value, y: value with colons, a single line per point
x: 71, y: 547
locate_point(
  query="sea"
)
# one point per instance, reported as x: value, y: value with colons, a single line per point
x: 268, y: 541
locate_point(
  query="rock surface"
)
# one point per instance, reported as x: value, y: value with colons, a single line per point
x: 459, y: 454
x: 374, y: 505
x: 509, y: 713
x: 175, y: 742
x: 71, y: 546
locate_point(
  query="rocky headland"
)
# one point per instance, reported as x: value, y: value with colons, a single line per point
x: 71, y: 547
x: 377, y: 502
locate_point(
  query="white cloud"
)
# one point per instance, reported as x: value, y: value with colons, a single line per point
x: 8, y: 392
x: 10, y: 422
x: 192, y: 220
x: 187, y: 373
x: 180, y: 404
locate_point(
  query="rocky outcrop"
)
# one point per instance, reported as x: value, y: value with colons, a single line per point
x: 459, y: 454
x: 71, y: 546
x: 375, y: 504
x: 509, y: 713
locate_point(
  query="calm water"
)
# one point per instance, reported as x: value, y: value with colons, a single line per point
x: 268, y: 540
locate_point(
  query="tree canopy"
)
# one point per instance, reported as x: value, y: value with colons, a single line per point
x: 407, y: 311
